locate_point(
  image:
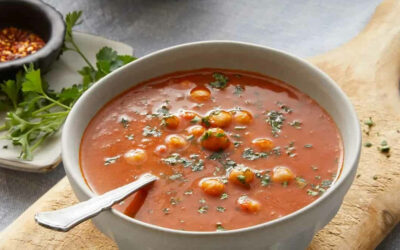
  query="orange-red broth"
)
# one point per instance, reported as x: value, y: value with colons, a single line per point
x: 311, y: 149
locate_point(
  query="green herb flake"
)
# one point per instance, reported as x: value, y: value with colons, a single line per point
x: 308, y: 146
x: 221, y: 81
x: 220, y: 227
x: 301, y: 182
x: 265, y: 180
x: 188, y: 192
x: 111, y: 160
x: 367, y: 144
x: 224, y: 196
x: 369, y: 122
x: 221, y: 209
x: 195, y: 120
x: 238, y: 90
x: 124, y: 122
x: 166, y: 211
x: 275, y: 119
x: 237, y: 144
x: 296, y: 124
x: 203, y: 209
x: 151, y: 132
x: 130, y: 137
x: 175, y: 177
x: 241, y: 179
x: 384, y: 147
x: 250, y: 155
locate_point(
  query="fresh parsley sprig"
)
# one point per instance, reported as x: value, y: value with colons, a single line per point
x: 35, y: 112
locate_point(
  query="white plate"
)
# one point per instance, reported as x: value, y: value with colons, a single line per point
x: 63, y: 73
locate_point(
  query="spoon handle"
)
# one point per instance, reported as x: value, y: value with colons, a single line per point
x: 66, y: 218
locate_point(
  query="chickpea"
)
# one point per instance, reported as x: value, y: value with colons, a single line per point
x: 282, y: 174
x: 263, y: 144
x: 212, y: 186
x: 176, y: 142
x: 200, y: 94
x: 243, y: 117
x: 135, y: 156
x: 215, y: 139
x: 249, y: 205
x: 189, y: 115
x: 196, y: 130
x: 161, y: 150
x: 241, y: 176
x: 171, y: 122
x: 220, y: 118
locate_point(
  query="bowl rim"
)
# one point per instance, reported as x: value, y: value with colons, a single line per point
x: 56, y: 39
x: 353, y: 160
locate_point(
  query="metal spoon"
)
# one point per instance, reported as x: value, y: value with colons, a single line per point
x: 66, y: 218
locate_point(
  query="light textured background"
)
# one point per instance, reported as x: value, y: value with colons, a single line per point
x: 302, y: 27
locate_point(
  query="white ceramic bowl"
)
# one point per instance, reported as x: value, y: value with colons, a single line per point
x: 293, y: 231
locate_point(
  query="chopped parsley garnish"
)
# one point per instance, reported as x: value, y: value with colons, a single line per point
x: 190, y: 137
x: 369, y: 122
x: 220, y: 227
x: 218, y: 135
x: 220, y: 82
x: 250, y: 155
x: 241, y: 179
x: 195, y: 120
x: 203, y: 209
x: 224, y: 196
x: 284, y: 107
x: 206, y: 135
x: 124, y: 122
x: 375, y: 177
x: 275, y: 119
x: 130, y: 137
x: 238, y: 90
x: 166, y: 210
x: 290, y: 150
x: 221, y: 209
x: 312, y: 192
x: 163, y: 111
x: 198, y: 166
x: 175, y: 177
x: 384, y: 147
x: 326, y: 183
x: 236, y: 144
x: 189, y: 192
x: 174, y: 201
x: 296, y: 124
x: 111, y: 160
x: 206, y: 121
x: 301, y: 182
x: 308, y: 146
x: 368, y: 144
x: 265, y: 179
x: 149, y: 131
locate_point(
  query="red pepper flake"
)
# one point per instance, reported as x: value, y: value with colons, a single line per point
x: 17, y: 43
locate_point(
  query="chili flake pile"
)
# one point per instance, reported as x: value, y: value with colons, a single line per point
x: 17, y: 43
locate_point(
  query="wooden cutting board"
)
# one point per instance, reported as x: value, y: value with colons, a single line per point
x: 368, y: 69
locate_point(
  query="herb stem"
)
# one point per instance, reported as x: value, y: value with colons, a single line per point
x: 57, y: 102
x: 43, y: 109
x: 3, y: 127
x: 77, y: 50
x: 64, y: 113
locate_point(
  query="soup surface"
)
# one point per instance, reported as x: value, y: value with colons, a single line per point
x: 232, y: 149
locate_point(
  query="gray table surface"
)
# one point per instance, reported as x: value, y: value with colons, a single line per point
x: 302, y: 27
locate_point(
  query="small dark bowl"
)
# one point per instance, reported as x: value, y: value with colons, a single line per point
x: 43, y: 20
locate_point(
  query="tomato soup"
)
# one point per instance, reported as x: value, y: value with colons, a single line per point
x: 232, y: 149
